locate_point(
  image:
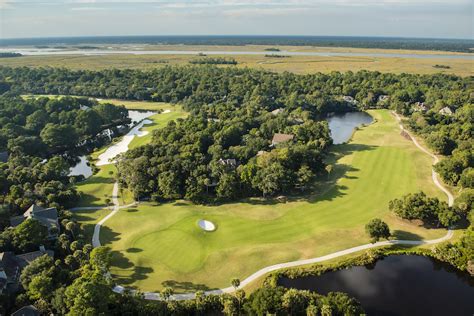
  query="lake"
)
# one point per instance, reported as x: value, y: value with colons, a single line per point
x: 81, y: 168
x: 398, y: 285
x: 111, y: 50
x: 342, y: 125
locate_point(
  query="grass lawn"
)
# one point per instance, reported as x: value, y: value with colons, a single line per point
x: 156, y: 246
x: 158, y: 121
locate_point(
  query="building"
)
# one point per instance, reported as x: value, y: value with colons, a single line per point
x: 420, y: 107
x: 9, y: 272
x: 446, y: 111
x: 281, y: 138
x: 349, y: 99
x: 228, y: 162
x: 28, y: 310
x: 11, y: 266
x: 277, y: 111
x: 383, y: 98
x: 48, y: 217
x: 3, y: 156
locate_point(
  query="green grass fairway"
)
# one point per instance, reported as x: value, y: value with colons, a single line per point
x: 157, y: 246
x: 159, y: 121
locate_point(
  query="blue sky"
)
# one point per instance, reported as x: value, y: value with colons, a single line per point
x: 409, y: 18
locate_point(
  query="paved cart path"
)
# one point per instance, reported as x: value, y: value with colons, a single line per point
x: 186, y: 296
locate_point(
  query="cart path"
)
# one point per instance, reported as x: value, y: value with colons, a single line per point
x: 260, y: 273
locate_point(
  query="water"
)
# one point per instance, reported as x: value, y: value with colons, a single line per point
x: 127, y: 50
x: 138, y: 116
x: 342, y: 125
x: 121, y: 147
x: 81, y: 168
x: 398, y: 285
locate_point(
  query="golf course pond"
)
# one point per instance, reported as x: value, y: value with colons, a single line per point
x: 398, y: 285
x: 342, y: 125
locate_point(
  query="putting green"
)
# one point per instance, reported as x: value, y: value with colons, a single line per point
x: 156, y: 246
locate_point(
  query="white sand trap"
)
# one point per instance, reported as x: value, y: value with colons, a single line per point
x: 122, y: 146
x: 207, y: 225
x: 166, y: 111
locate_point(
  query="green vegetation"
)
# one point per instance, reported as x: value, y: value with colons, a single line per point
x: 213, y: 61
x: 377, y: 229
x: 95, y: 190
x: 159, y: 246
x: 429, y: 210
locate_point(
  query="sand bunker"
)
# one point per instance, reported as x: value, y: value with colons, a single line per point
x: 207, y: 225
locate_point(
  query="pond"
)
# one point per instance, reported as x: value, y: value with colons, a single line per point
x: 342, y: 125
x: 398, y: 285
x: 138, y: 116
x: 81, y: 168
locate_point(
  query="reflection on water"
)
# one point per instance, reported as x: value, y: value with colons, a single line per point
x: 398, y: 285
x: 81, y: 168
x: 342, y: 125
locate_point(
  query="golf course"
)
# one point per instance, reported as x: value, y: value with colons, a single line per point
x: 156, y: 246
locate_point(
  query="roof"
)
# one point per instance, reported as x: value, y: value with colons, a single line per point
x: 3, y: 156
x: 8, y: 264
x: 280, y: 138
x: 446, y: 111
x: 26, y: 258
x: 277, y: 111
x: 28, y: 310
x: 228, y: 162
x: 46, y: 216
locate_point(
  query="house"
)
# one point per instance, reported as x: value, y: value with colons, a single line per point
x: 281, y: 138
x: 26, y: 258
x: 28, y: 310
x: 277, y: 111
x: 446, y: 111
x: 11, y: 266
x: 383, y: 98
x: 349, y: 99
x: 3, y: 156
x: 228, y: 162
x: 9, y: 272
x: 420, y: 107
x: 84, y: 107
x: 48, y: 217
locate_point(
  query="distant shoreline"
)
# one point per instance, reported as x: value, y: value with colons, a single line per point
x: 433, y: 44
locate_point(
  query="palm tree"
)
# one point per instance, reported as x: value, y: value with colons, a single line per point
x: 166, y: 293
x: 235, y: 283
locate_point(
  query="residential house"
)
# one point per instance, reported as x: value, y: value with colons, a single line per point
x: 277, y: 111
x: 48, y: 217
x: 228, y: 162
x: 28, y: 310
x: 349, y: 99
x: 420, y: 107
x: 84, y: 107
x: 11, y: 266
x: 3, y: 156
x: 281, y: 138
x: 446, y: 111
x: 9, y: 272
x: 383, y: 98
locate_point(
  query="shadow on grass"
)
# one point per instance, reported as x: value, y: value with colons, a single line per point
x: 185, y: 286
x: 135, y: 273
x: 405, y: 235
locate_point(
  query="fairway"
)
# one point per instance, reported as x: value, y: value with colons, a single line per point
x: 156, y: 246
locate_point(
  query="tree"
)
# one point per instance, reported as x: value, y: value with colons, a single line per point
x: 59, y: 136
x: 29, y: 235
x: 41, y: 286
x: 166, y: 293
x: 235, y: 283
x: 43, y: 265
x: 295, y: 301
x: 377, y: 229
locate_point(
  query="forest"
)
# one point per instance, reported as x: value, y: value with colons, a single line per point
x: 226, y: 149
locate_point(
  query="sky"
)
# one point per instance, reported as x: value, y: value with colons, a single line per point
x: 405, y: 18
